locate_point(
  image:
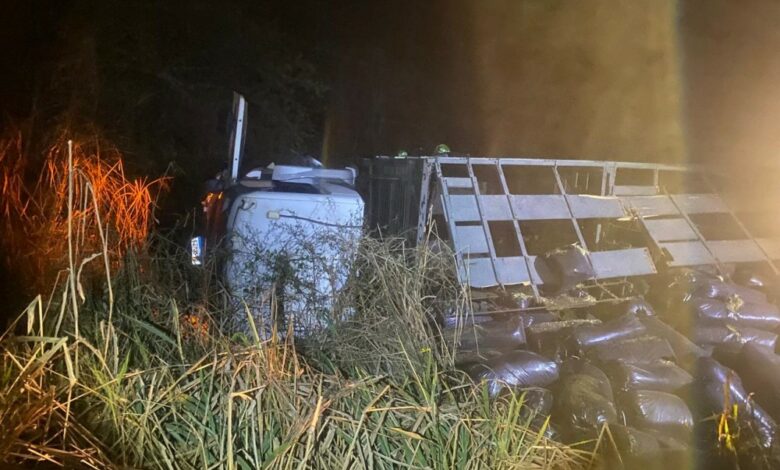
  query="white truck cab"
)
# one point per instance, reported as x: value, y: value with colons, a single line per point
x: 290, y: 235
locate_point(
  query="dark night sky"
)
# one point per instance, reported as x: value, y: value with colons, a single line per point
x: 627, y: 80
x: 733, y: 71
x: 641, y: 80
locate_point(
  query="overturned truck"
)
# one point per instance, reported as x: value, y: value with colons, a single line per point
x: 623, y: 294
x: 609, y: 293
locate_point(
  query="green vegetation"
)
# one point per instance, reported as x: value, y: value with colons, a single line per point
x: 123, y: 365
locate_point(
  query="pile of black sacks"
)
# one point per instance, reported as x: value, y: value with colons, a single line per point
x: 652, y: 382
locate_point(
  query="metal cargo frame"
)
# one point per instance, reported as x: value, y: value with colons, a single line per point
x: 451, y: 188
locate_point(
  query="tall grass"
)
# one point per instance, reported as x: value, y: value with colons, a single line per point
x: 258, y: 406
x: 398, y: 294
x: 47, y: 200
x: 95, y: 380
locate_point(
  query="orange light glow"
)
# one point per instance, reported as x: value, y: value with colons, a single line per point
x: 110, y: 210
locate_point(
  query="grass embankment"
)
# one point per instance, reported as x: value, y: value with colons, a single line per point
x: 123, y: 365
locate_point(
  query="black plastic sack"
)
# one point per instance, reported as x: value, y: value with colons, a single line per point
x: 750, y: 279
x: 516, y: 369
x: 551, y: 344
x: 624, y: 327
x: 502, y: 334
x: 583, y: 366
x: 643, y: 349
x: 646, y: 450
x: 759, y: 315
x: 635, y: 448
x: 659, y: 411
x: 550, y: 339
x: 759, y: 369
x: 747, y: 294
x: 714, y: 384
x: 730, y: 338
x: 465, y: 359
x: 565, y: 268
x: 710, y: 379
x: 636, y: 306
x: 670, y: 444
x: 684, y: 281
x: 581, y: 407
x: 708, y: 309
x: 685, y: 349
x: 674, y: 453
x: 537, y: 407
x: 538, y: 401
x: 722, y: 290
x: 662, y: 376
x: 670, y: 292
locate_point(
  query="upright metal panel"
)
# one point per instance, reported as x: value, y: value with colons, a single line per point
x: 592, y: 207
x: 688, y: 253
x: 496, y: 207
x: 699, y: 203
x: 462, y: 208
x: 471, y: 240
x: 670, y: 230
x: 649, y: 206
x: 622, y: 263
x: 736, y: 251
x: 542, y: 207
x: 400, y: 196
x: 469, y: 216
